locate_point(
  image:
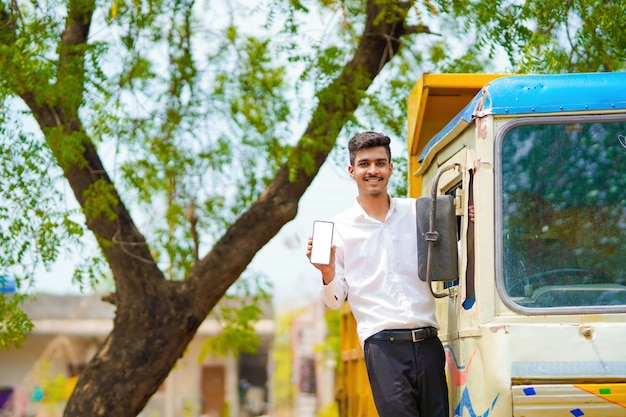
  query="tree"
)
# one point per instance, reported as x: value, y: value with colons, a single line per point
x: 85, y: 91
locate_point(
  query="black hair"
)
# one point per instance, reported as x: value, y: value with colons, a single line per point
x: 368, y: 140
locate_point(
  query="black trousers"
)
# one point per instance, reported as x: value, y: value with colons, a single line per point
x: 408, y: 379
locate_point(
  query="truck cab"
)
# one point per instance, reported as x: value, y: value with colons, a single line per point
x: 533, y: 315
x: 534, y: 323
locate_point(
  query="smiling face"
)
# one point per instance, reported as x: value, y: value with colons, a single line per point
x: 371, y: 170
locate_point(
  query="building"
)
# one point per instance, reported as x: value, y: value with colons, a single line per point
x: 313, y: 368
x: 38, y: 378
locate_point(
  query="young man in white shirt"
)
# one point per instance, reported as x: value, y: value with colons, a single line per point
x: 374, y: 266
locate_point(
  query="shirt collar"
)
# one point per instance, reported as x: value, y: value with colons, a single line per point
x: 357, y: 212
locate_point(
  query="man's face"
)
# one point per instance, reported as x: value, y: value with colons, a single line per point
x: 371, y: 170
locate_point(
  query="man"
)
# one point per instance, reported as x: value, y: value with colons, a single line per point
x: 374, y: 266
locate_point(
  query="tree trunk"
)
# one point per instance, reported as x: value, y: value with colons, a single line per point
x: 148, y: 337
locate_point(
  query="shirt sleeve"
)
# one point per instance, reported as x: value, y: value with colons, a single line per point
x: 333, y: 293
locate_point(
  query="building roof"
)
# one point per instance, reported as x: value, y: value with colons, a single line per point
x: 48, y: 306
x: 88, y: 315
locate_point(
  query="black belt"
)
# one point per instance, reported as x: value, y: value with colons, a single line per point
x: 411, y: 335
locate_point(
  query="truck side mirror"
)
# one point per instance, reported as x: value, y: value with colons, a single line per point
x: 437, y: 245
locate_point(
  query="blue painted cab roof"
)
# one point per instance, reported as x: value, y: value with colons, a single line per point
x: 537, y: 94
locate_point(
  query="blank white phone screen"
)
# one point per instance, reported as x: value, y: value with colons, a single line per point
x: 322, y: 242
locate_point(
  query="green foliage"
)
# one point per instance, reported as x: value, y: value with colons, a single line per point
x: 91, y: 272
x: 201, y: 131
x: 547, y: 36
x: 471, y: 61
x: 238, y: 312
x: 35, y: 223
x: 100, y: 200
x: 399, y: 180
x: 14, y: 324
x: 237, y: 334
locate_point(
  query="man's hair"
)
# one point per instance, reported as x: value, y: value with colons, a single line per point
x: 368, y: 140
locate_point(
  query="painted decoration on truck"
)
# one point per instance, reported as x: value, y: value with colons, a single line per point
x: 577, y: 400
x: 457, y: 378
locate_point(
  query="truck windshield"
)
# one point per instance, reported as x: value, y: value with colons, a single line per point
x: 563, y: 213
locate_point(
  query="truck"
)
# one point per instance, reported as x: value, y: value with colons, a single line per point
x: 531, y: 294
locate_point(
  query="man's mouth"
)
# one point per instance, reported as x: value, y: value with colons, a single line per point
x: 373, y: 179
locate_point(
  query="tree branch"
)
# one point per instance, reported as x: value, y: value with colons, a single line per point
x: 279, y: 203
x: 413, y: 29
x: 118, y: 237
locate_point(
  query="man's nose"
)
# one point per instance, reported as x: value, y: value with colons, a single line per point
x: 372, y: 168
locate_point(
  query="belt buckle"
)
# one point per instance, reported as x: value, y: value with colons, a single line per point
x: 414, y: 335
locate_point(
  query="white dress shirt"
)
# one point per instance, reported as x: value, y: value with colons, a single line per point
x: 376, y: 269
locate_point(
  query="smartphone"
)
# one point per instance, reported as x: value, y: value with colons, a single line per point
x: 322, y: 242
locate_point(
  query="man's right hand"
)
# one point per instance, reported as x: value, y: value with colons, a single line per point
x: 328, y: 271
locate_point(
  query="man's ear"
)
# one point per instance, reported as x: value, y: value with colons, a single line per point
x: 351, y: 171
